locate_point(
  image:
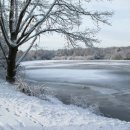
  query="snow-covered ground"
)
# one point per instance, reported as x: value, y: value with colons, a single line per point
x: 21, y: 112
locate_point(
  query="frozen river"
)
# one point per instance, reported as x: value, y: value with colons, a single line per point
x: 103, y: 84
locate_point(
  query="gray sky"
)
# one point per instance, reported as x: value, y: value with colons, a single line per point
x: 116, y: 35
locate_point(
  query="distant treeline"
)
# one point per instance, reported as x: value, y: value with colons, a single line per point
x: 113, y: 53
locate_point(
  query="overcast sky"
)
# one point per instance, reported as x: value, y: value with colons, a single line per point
x: 116, y: 35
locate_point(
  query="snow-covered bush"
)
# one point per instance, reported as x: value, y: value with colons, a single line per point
x: 30, y: 90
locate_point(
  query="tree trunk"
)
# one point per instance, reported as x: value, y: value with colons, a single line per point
x: 11, y: 65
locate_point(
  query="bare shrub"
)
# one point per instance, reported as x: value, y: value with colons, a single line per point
x: 82, y: 101
x: 31, y: 90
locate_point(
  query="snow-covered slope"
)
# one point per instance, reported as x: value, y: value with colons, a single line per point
x: 21, y: 112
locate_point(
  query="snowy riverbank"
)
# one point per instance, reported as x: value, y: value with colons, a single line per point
x: 21, y: 112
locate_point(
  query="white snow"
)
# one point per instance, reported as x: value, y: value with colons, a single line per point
x: 21, y: 112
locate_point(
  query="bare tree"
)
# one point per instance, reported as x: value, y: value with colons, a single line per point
x: 22, y: 21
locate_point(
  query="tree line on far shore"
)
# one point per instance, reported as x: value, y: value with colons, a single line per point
x: 111, y: 53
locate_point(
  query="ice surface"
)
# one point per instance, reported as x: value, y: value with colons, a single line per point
x: 69, y: 74
x: 62, y: 63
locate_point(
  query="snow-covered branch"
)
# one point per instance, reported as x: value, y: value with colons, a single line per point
x: 36, y: 17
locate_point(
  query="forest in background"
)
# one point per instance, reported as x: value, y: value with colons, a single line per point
x: 111, y: 53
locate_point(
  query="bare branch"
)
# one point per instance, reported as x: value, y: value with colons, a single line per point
x: 26, y: 52
x: 22, y: 15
